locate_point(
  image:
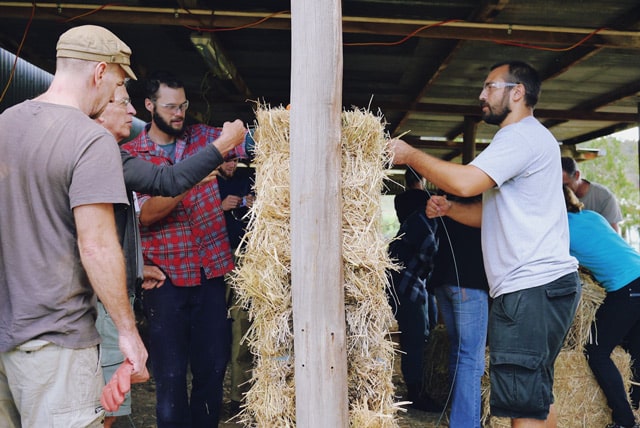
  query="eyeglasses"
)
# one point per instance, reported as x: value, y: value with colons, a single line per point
x: 175, y: 107
x: 122, y: 101
x: 488, y: 86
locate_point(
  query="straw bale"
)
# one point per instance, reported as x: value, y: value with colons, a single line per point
x: 579, y: 401
x: 365, y: 261
x: 436, y: 364
x: 592, y: 296
x: 263, y: 278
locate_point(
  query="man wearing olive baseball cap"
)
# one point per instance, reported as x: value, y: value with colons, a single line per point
x: 60, y: 174
x: 93, y: 43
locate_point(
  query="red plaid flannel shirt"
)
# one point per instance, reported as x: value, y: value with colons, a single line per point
x: 194, y: 234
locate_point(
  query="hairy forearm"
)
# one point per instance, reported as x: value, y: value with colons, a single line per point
x: 103, y: 261
x: 469, y: 214
x: 450, y: 177
x: 456, y: 179
x: 157, y: 208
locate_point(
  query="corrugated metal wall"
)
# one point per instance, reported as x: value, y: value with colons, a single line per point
x: 28, y: 81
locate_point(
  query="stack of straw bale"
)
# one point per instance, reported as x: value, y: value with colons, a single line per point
x: 263, y: 279
x: 579, y: 401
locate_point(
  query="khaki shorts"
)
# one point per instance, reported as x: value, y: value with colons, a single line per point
x: 50, y: 386
x: 110, y: 355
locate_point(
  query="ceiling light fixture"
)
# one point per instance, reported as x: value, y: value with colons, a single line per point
x: 209, y: 47
x: 219, y: 63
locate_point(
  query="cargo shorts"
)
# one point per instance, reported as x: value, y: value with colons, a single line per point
x: 527, y: 329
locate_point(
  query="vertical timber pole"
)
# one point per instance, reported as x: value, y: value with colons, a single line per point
x: 469, y: 139
x: 316, y: 215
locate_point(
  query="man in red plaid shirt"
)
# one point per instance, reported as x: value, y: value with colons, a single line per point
x: 186, y: 237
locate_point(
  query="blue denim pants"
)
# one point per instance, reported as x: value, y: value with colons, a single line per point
x: 188, y: 327
x: 465, y: 313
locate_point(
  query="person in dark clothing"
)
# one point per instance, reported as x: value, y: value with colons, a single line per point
x: 414, y: 197
x: 460, y: 285
x: 235, y: 191
x: 414, y: 247
x: 237, y: 198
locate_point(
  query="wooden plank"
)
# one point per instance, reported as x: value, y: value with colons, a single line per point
x: 316, y: 217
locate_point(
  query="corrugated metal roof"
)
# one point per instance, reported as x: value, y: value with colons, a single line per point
x: 586, y: 50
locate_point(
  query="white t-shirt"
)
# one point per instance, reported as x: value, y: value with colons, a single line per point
x: 525, y: 233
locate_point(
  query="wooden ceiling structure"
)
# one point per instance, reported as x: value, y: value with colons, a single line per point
x: 418, y: 63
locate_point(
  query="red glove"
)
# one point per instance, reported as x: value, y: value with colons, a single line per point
x: 114, y: 391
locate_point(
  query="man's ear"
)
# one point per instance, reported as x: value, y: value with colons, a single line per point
x: 99, y: 72
x: 518, y: 92
x: 148, y: 104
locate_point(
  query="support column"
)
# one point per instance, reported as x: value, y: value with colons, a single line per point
x: 469, y: 139
x: 316, y: 215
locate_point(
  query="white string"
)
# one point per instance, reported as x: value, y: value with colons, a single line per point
x: 455, y: 267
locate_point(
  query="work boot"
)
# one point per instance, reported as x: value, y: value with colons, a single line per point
x: 421, y: 400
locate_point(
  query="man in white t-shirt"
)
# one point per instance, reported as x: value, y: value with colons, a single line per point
x: 525, y: 241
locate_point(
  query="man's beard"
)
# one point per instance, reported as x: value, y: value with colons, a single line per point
x: 496, y: 117
x: 223, y: 173
x: 166, y: 127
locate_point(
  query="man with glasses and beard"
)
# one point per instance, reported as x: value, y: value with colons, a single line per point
x: 525, y: 241
x: 186, y: 237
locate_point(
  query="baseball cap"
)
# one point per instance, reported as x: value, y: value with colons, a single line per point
x: 94, y: 43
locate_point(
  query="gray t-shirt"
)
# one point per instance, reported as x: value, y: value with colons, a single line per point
x: 601, y: 200
x: 54, y: 158
x: 525, y: 231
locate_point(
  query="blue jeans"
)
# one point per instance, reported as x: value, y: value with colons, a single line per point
x: 465, y: 312
x: 188, y: 327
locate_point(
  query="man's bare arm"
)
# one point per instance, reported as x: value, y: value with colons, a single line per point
x: 102, y: 258
x: 461, y: 180
x: 469, y: 214
x: 157, y: 208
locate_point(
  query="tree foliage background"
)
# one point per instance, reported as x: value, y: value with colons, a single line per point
x: 617, y: 168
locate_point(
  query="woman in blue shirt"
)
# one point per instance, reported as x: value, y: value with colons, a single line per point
x: 616, y: 266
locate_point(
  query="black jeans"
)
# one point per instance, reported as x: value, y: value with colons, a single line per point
x: 617, y: 323
x: 188, y: 327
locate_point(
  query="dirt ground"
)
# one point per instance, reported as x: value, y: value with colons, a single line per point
x: 143, y: 414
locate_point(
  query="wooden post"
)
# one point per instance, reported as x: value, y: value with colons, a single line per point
x: 469, y: 139
x: 316, y: 215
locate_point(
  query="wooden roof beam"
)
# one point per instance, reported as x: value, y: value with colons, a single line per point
x: 455, y: 30
x: 485, y: 12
